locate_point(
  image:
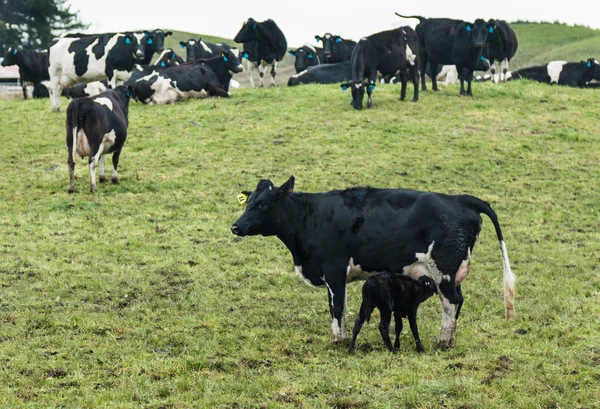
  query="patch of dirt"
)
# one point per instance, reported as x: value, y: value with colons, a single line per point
x: 521, y: 331
x: 56, y: 373
x: 503, y: 366
x: 456, y: 366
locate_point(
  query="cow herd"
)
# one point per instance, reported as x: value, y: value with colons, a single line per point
x: 335, y: 237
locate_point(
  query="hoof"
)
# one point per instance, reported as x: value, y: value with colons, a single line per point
x: 102, y: 179
x: 71, y: 190
x: 351, y: 350
x: 444, y: 345
x: 420, y: 349
x: 115, y: 181
x: 93, y: 189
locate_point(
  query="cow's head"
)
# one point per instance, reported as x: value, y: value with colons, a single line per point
x: 265, y: 209
x: 155, y: 40
x: 478, y: 31
x: 594, y: 69
x: 232, y: 62
x: 190, y: 48
x: 11, y: 57
x: 358, y: 89
x: 248, y: 32
x: 329, y: 43
x: 132, y: 45
x: 305, y: 57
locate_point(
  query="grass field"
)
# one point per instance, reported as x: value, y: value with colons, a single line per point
x: 138, y: 296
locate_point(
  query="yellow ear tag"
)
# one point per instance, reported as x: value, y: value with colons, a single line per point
x: 242, y: 198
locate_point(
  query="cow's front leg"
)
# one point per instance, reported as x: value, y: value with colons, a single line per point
x: 448, y: 332
x: 337, y: 307
x: 273, y: 73
x: 261, y: 74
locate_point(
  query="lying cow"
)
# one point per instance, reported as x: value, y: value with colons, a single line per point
x: 304, y: 57
x: 97, y: 126
x: 341, y: 236
x: 573, y: 74
x: 335, y: 48
x: 323, y: 74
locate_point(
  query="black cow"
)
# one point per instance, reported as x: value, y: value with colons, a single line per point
x: 194, y: 79
x: 167, y: 58
x: 335, y: 48
x: 97, y: 126
x: 33, y: 66
x: 341, y: 236
x: 573, y: 74
x: 269, y: 45
x: 153, y: 42
x: 323, y: 74
x: 305, y: 56
x: 196, y: 49
x: 91, y: 58
x: 501, y: 46
x: 386, y: 52
x: 445, y: 41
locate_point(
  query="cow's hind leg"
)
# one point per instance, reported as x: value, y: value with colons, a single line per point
x: 398, y: 328
x: 102, y: 178
x: 403, y: 89
x: 115, y: 161
x: 384, y: 327
x: 434, y: 76
x: 364, y: 315
x: 273, y: 73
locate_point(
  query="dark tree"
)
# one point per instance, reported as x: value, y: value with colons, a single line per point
x: 31, y: 24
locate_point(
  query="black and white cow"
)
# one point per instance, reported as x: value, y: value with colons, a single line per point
x: 91, y: 58
x: 323, y: 74
x: 196, y: 49
x: 86, y: 89
x: 573, y: 74
x: 335, y: 48
x: 33, y: 66
x: 167, y: 58
x: 346, y: 235
x: 501, y: 46
x: 269, y: 43
x: 304, y: 57
x: 153, y: 42
x: 387, y: 52
x: 194, y: 79
x: 96, y: 126
x: 456, y: 42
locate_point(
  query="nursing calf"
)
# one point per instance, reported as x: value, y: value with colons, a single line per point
x: 345, y: 235
x: 96, y: 126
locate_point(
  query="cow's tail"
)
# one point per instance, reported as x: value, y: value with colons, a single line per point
x: 75, y: 121
x: 509, y: 278
x: 421, y: 18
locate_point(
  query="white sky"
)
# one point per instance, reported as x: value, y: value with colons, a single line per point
x: 300, y: 21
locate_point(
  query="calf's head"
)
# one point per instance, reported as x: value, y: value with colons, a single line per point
x: 265, y: 209
x: 305, y: 57
x: 11, y: 57
x: 478, y: 31
x: 428, y: 287
x: 358, y: 89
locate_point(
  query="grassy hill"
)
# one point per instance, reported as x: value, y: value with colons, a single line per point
x: 140, y: 296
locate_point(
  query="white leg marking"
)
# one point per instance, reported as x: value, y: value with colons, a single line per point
x: 102, y: 158
x: 448, y: 332
x: 509, y: 284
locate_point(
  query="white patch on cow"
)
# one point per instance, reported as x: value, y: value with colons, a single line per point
x: 464, y: 269
x: 503, y: 69
x: 554, y: 69
x: 104, y: 101
x: 330, y: 293
x: 299, y: 74
x: 410, y: 56
x: 102, y: 160
x: 108, y: 141
x: 82, y: 145
x: 425, y: 265
x: 508, y: 75
x: 310, y: 47
x: 160, y: 56
x: 327, y: 35
x: 446, y: 277
x: 509, y: 283
x: 298, y: 270
x: 139, y: 67
x: 363, y: 39
x: 235, y: 51
x: 358, y: 85
x: 448, y: 74
x: 94, y: 88
x: 192, y: 42
x: 448, y: 331
x: 354, y: 272
x: 206, y: 48
x: 234, y: 84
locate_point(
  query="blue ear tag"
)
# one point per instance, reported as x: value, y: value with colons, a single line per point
x: 225, y: 58
x: 371, y: 87
x: 337, y: 40
x: 310, y: 56
x: 318, y: 39
x: 491, y: 30
x: 181, y: 45
x: 469, y: 28
x: 149, y: 41
x: 14, y: 52
x: 128, y: 93
x: 127, y: 40
x: 245, y: 55
x: 254, y: 26
x: 292, y: 54
x: 589, y: 64
x: 162, y: 64
x: 482, y: 58
x: 344, y: 87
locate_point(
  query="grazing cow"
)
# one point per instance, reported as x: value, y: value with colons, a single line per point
x: 305, y: 56
x: 573, y: 74
x: 91, y: 58
x: 86, y: 89
x: 270, y: 45
x: 445, y: 41
x: 397, y: 294
x: 323, y: 74
x: 386, y: 52
x: 194, y: 79
x: 344, y: 235
x: 335, y: 48
x: 196, y: 49
x: 96, y: 126
x: 33, y: 66
x: 500, y: 47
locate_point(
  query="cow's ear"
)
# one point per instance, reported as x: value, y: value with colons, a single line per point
x: 127, y: 39
x: 318, y: 38
x: 345, y: 86
x: 292, y: 53
x: 224, y: 56
x: 169, y: 33
x: 14, y: 51
x: 146, y: 33
x: 491, y: 26
x: 287, y: 187
x: 181, y: 44
x: 149, y: 40
x: 243, y: 197
x: 310, y: 55
x: 128, y: 92
x: 468, y: 27
x: 338, y: 40
x: 590, y: 62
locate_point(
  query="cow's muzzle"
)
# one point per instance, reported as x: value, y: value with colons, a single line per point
x: 235, y: 229
x: 139, y: 54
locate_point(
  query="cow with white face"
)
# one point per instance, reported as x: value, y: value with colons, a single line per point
x: 345, y: 235
x: 91, y: 58
x: 97, y: 126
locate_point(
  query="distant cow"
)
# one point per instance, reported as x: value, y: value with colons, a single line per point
x: 305, y: 56
x: 154, y: 43
x: 91, y: 58
x: 573, y: 74
x: 323, y: 74
x: 33, y: 66
x: 335, y: 48
x: 456, y: 42
x: 345, y: 235
x: 500, y: 47
x: 97, y: 126
x: 196, y: 49
x: 386, y: 52
x: 269, y: 43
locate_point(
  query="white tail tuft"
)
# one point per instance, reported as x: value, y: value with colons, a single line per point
x: 509, y: 284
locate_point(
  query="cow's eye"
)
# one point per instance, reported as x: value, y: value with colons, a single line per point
x: 262, y: 206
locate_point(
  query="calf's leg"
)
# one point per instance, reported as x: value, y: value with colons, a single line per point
x: 412, y: 319
x: 363, y: 315
x: 398, y: 328
x: 384, y: 328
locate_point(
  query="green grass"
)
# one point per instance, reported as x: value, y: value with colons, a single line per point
x: 138, y: 296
